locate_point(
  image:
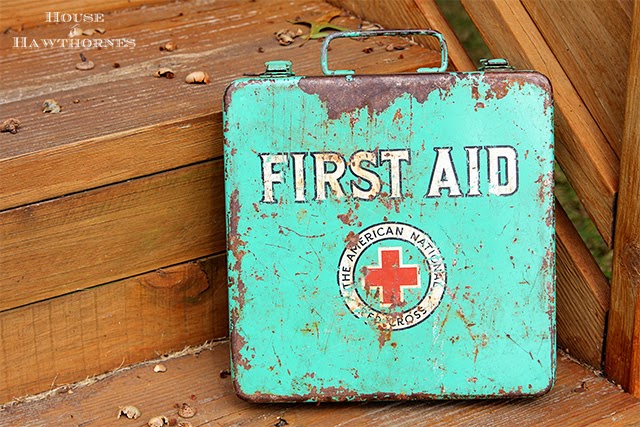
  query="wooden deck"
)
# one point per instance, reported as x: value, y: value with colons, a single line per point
x: 112, y: 217
x: 579, y: 398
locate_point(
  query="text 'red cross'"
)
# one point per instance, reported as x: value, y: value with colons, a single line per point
x: 391, y: 276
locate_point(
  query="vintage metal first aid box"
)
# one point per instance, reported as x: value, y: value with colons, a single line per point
x: 390, y: 236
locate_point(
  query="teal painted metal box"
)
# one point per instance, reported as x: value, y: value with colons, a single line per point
x: 390, y: 236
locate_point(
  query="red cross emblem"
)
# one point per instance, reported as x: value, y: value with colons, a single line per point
x: 391, y: 276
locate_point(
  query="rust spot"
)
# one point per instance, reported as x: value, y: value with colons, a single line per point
x: 500, y: 83
x: 235, y: 243
x: 342, y: 394
x: 548, y: 103
x: 541, y: 192
x: 376, y: 93
x: 234, y: 213
x: 237, y: 344
x: 550, y: 217
x: 384, y: 335
x: 548, y: 260
x: 385, y: 200
x: 346, y: 218
x: 478, y: 340
x: 545, y: 187
x: 498, y: 89
x: 475, y: 94
x: 351, y: 240
x: 228, y: 93
x: 398, y: 115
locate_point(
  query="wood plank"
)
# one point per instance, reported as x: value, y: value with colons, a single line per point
x: 579, y: 398
x: 597, y: 68
x: 626, y: 418
x: 140, y: 124
x: 459, y: 58
x: 581, y: 150
x: 66, y: 339
x: 411, y: 14
x: 80, y: 241
x: 17, y: 14
x: 82, y: 165
x: 582, y: 295
x: 623, y: 338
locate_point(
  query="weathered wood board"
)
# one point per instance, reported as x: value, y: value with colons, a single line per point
x: 623, y: 341
x: 597, y: 68
x: 69, y: 338
x: 579, y: 398
x: 582, y: 295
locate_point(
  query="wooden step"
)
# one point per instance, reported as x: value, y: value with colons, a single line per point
x: 579, y: 398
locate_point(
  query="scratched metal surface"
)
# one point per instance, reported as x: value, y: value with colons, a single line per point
x: 422, y: 267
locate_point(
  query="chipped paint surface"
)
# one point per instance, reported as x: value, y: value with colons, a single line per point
x: 332, y: 187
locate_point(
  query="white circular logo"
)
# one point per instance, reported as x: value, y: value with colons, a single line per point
x: 392, y: 274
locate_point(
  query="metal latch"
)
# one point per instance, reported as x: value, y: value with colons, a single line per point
x: 278, y: 69
x: 494, y: 64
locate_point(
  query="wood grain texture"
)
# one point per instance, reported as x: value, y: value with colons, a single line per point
x: 623, y: 338
x: 122, y: 123
x: 579, y: 398
x: 582, y: 295
x: 411, y: 14
x: 69, y: 338
x: 581, y: 150
x: 590, y: 39
x: 106, y: 234
x: 107, y: 159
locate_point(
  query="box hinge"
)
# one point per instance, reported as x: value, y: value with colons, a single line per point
x: 496, y: 64
x: 278, y: 69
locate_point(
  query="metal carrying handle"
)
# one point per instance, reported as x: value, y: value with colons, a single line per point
x: 324, y: 53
